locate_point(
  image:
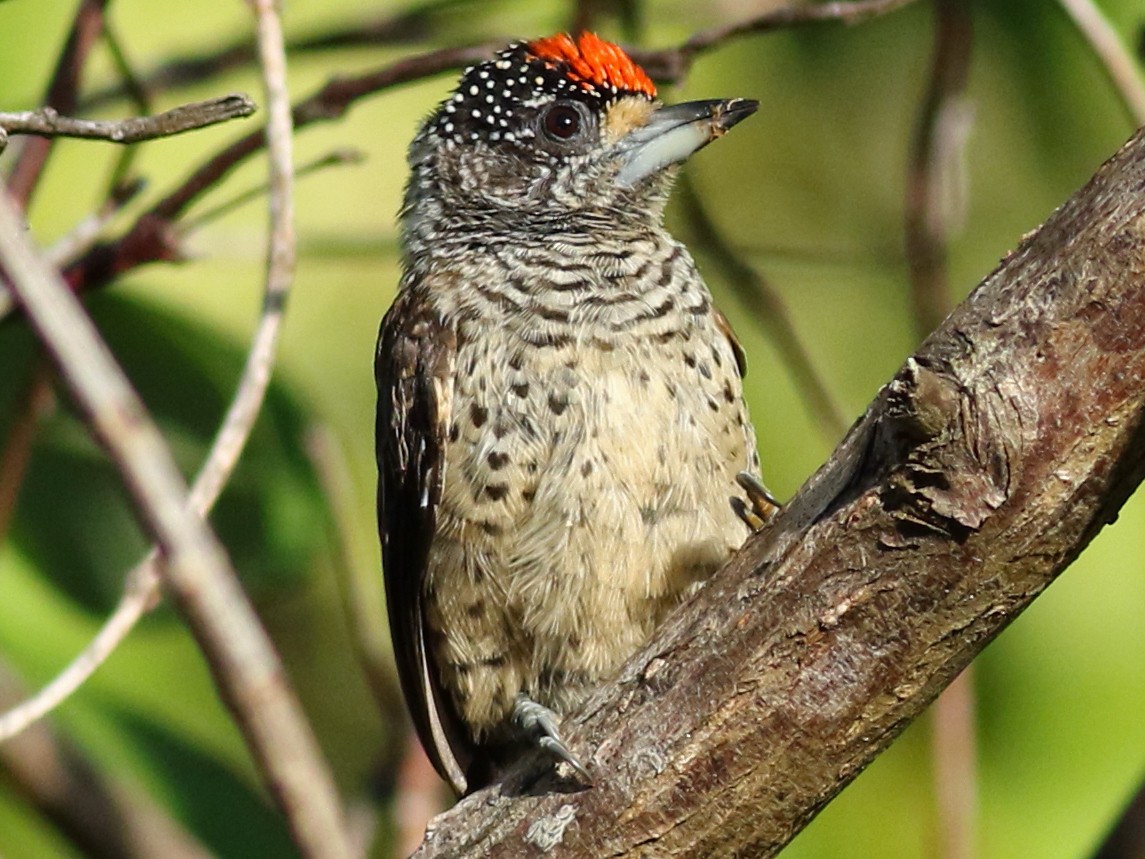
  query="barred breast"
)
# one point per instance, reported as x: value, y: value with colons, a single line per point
x: 598, y: 425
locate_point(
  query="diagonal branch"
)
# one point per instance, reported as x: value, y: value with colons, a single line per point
x: 988, y: 463
x: 197, y: 569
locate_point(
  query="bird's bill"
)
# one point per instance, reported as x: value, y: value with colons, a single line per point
x: 673, y: 133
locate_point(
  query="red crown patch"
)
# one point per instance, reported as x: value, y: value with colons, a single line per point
x: 594, y: 63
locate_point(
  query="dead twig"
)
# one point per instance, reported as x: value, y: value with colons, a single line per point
x: 1115, y: 57
x: 765, y: 305
x: 671, y: 65
x: 198, y: 571
x: 46, y: 122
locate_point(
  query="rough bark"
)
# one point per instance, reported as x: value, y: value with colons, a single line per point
x: 977, y: 475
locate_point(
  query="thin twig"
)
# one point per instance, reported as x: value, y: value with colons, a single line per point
x: 766, y: 306
x: 417, y: 789
x: 200, y: 575
x: 405, y: 27
x: 102, y: 814
x: 357, y: 580
x: 35, y: 402
x: 63, y: 94
x: 153, y: 238
x: 140, y: 100
x: 306, y: 794
x: 342, y: 155
x: 1115, y: 57
x: 83, y: 235
x: 935, y: 199
x: 139, y: 595
x: 143, y: 581
x: 934, y: 187
x: 46, y: 122
x: 671, y: 65
x: 954, y: 750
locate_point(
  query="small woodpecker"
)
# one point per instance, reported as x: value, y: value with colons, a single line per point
x: 560, y: 419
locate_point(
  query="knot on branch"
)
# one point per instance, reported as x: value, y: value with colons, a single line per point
x: 943, y: 449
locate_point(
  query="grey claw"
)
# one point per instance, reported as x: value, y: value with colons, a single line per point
x: 540, y: 723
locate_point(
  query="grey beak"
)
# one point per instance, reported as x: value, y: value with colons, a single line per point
x: 673, y: 133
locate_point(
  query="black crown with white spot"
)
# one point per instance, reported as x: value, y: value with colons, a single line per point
x: 489, y: 103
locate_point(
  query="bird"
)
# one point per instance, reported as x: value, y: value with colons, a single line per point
x: 563, y: 448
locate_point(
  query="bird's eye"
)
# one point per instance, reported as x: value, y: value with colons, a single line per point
x: 562, y: 121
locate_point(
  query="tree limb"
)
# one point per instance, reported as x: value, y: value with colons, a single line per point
x: 978, y: 474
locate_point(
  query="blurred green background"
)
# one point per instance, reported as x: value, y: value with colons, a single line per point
x: 811, y: 191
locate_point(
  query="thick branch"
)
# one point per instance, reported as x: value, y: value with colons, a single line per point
x: 978, y: 474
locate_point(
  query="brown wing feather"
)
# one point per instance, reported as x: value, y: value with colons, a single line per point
x: 413, y: 368
x: 725, y: 328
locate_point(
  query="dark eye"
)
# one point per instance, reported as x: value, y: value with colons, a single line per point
x: 562, y: 121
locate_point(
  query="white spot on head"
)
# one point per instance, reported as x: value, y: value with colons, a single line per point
x: 476, y: 114
x: 539, y: 81
x: 489, y: 99
x: 473, y: 89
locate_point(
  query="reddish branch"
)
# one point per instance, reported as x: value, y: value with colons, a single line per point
x: 994, y: 456
x: 153, y: 237
x: 62, y: 96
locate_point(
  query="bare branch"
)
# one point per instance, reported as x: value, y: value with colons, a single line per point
x: 767, y: 308
x: 672, y: 65
x: 340, y: 156
x: 35, y: 402
x: 934, y: 175
x: 46, y: 122
x: 954, y: 751
x: 103, y: 816
x: 1122, y: 69
x: 404, y: 27
x: 999, y: 450
x: 200, y: 575
x: 140, y: 594
x: 63, y: 93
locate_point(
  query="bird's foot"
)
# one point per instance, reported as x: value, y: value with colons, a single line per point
x: 763, y: 505
x: 539, y: 724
